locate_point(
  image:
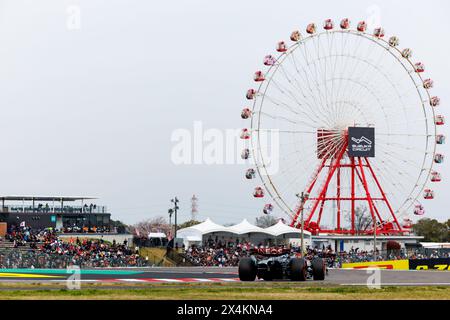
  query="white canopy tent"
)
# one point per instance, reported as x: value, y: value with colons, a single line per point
x: 243, y: 231
x: 245, y: 227
x: 194, y: 234
x: 281, y: 229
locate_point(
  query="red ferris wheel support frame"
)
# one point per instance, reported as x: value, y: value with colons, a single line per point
x: 360, y: 167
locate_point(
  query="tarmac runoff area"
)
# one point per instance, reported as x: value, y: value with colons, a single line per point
x: 180, y: 275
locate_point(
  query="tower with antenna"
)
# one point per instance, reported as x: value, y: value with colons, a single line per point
x: 194, y: 207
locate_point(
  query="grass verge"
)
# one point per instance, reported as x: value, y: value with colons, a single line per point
x: 235, y: 291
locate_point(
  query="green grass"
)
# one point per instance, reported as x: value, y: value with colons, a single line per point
x: 262, y: 291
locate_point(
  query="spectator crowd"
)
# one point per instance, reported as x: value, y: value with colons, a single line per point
x: 215, y: 254
x: 47, y: 250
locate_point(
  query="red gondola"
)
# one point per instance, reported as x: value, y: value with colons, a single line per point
x: 362, y: 26
x: 259, y: 192
x: 311, y: 28
x: 250, y: 94
x: 419, y: 67
x: 428, y: 194
x: 435, y: 101
x: 328, y: 24
x: 259, y: 76
x: 281, y: 46
x: 435, y: 176
x: 407, y: 223
x: 246, y: 113
x: 345, y: 23
x: 439, y: 120
x: 378, y: 32
x: 296, y: 36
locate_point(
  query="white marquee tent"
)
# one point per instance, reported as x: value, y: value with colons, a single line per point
x: 244, y: 231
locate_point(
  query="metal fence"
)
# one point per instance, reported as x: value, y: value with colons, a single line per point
x: 418, y: 253
x: 13, y: 258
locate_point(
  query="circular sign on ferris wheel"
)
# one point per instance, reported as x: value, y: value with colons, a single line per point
x: 357, y: 127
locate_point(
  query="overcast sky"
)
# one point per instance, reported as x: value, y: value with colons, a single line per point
x: 90, y: 110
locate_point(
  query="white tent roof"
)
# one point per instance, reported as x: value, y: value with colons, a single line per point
x: 280, y: 228
x: 156, y: 235
x: 198, y: 230
x: 245, y: 227
x: 208, y: 226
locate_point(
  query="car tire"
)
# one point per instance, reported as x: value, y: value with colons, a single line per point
x: 318, y: 268
x: 247, y: 269
x: 268, y: 276
x: 298, y: 270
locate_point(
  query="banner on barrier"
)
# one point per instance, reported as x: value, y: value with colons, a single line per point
x: 430, y: 264
x: 394, y: 264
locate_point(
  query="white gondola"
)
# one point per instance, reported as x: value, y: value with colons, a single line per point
x: 269, y: 60
x: 250, y: 174
x: 268, y: 208
x: 440, y: 139
x: 245, y: 134
x: 438, y: 158
x: 419, y: 210
x: 428, y: 83
x: 245, y: 154
x: 435, y: 101
x: 406, y: 53
x: 394, y: 41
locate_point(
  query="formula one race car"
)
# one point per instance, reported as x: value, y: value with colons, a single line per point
x: 280, y: 267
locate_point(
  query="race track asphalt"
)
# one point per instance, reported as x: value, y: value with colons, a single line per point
x: 213, y: 274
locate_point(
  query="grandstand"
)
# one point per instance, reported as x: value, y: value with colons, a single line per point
x: 64, y: 214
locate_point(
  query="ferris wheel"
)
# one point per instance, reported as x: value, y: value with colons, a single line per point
x: 357, y: 130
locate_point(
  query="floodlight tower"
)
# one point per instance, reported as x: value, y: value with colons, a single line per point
x: 194, y: 207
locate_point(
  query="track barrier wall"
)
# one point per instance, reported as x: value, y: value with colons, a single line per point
x: 442, y: 264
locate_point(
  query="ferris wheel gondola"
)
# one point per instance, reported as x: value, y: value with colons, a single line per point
x: 311, y: 94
